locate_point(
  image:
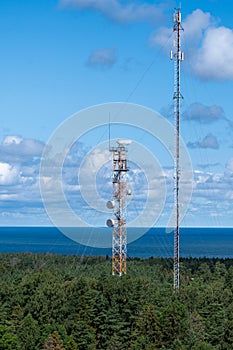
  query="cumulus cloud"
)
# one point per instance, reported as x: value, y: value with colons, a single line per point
x: 162, y: 37
x: 118, y: 10
x: 213, y: 192
x: 17, y: 149
x: 215, y: 56
x: 203, y: 114
x: 19, y: 179
x: 19, y: 161
x: 19, y: 189
x: 200, y: 113
x: 104, y: 58
x: 194, y: 26
x: 208, y: 47
x: 209, y: 141
x: 9, y: 175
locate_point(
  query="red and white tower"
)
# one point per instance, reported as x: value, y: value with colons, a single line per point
x: 177, y: 56
x: 118, y: 204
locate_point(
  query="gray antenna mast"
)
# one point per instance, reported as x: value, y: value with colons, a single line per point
x: 178, y: 56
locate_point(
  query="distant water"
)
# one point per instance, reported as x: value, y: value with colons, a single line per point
x: 194, y: 242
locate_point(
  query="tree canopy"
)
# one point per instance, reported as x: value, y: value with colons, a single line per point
x: 74, y: 303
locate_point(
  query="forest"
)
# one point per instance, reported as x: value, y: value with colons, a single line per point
x: 71, y: 302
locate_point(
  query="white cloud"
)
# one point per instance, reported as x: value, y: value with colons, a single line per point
x: 213, y: 186
x: 209, y: 141
x: 9, y: 175
x: 20, y: 190
x: 194, y: 26
x: 208, y: 47
x: 104, y: 58
x: 117, y: 10
x: 203, y: 114
x: 214, y: 58
x: 12, y: 139
x: 229, y: 165
x: 17, y: 149
x: 94, y: 161
x: 19, y: 174
x: 8, y: 197
x: 162, y: 37
x: 212, y: 198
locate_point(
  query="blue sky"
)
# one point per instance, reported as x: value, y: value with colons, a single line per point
x: 59, y: 57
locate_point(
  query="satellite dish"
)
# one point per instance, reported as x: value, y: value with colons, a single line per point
x: 110, y: 204
x: 110, y: 222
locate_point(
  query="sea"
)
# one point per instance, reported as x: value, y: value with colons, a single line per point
x: 153, y: 242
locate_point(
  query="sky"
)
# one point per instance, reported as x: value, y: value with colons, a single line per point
x: 67, y: 65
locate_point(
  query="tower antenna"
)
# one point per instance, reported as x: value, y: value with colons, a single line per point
x: 109, y: 132
x: 178, y: 56
x: 118, y: 206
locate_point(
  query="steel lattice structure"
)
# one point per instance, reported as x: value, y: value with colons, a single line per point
x: 118, y: 205
x: 178, y: 56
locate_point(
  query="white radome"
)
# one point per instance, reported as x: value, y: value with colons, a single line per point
x: 124, y: 142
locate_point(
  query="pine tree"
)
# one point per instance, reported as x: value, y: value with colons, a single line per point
x: 8, y: 340
x: 147, y: 330
x: 28, y: 333
x: 53, y: 342
x: 228, y: 336
x: 71, y: 345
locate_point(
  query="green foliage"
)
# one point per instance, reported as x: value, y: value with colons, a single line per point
x: 84, y: 335
x: 201, y: 345
x: 28, y: 333
x: 74, y: 303
x: 71, y: 345
x: 147, y: 329
x: 8, y: 340
x: 53, y: 342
